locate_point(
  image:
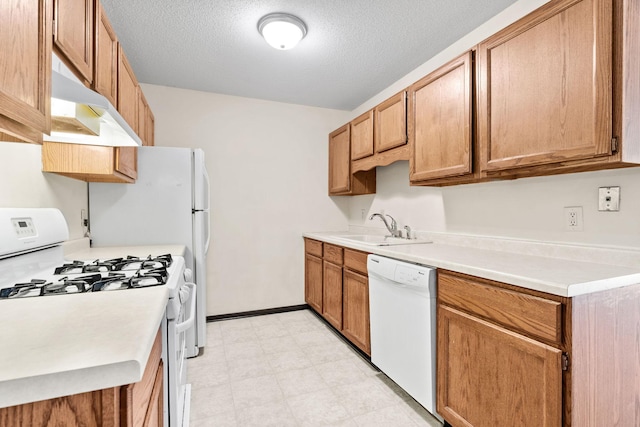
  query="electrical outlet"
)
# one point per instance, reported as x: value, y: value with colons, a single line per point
x: 573, y: 218
x: 363, y: 214
x: 609, y: 199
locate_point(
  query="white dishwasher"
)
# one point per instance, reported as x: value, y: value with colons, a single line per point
x: 402, y: 305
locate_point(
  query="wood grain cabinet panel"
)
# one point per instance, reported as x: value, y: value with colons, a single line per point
x: 313, y: 282
x: 441, y: 122
x: 91, y: 163
x: 533, y: 316
x: 341, y: 180
x: 73, y: 35
x: 332, y: 294
x: 25, y: 68
x: 127, y: 91
x: 391, y: 123
x: 489, y: 376
x: 332, y: 253
x: 355, y: 316
x: 105, y: 79
x: 313, y: 247
x: 339, y: 160
x: 355, y: 260
x: 362, y: 136
x: 545, y: 87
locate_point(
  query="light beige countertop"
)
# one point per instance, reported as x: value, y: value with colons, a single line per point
x: 63, y: 345
x: 564, y: 277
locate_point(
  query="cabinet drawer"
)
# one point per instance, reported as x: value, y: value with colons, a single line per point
x: 333, y: 253
x: 355, y: 260
x: 313, y: 247
x: 531, y: 315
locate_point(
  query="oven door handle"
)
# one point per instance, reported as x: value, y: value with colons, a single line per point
x: 183, y: 326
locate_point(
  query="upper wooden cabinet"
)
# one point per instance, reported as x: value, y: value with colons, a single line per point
x: 105, y: 77
x: 91, y: 163
x: 73, y: 35
x: 441, y: 122
x: 127, y: 91
x: 339, y: 160
x: 146, y: 121
x: 25, y: 68
x: 362, y: 136
x: 391, y: 123
x: 341, y: 180
x: 545, y: 87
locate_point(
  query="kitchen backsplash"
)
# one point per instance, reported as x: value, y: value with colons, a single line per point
x: 23, y: 184
x: 528, y: 208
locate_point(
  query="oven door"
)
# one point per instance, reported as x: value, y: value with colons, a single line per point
x: 176, y: 355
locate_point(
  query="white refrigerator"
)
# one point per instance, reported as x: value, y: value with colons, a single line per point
x: 167, y: 205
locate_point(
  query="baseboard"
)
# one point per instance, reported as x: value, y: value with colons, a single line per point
x: 253, y: 313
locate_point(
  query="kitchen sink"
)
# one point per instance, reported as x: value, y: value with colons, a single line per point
x: 377, y: 240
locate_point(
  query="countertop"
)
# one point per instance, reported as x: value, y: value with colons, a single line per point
x: 556, y: 276
x: 63, y: 345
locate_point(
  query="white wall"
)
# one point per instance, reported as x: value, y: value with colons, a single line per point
x: 268, y: 167
x: 24, y: 185
x: 528, y: 208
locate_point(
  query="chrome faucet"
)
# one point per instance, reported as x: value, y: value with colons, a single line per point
x: 393, y: 227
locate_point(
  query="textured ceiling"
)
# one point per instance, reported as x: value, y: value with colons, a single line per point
x: 353, y: 48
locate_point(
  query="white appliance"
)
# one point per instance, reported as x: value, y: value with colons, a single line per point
x: 402, y: 306
x: 168, y: 204
x: 32, y: 265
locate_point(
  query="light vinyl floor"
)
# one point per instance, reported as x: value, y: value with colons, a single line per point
x: 291, y: 369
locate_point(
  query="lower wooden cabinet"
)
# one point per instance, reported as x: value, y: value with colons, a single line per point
x: 355, y: 316
x: 337, y: 287
x: 498, y: 358
x: 491, y: 376
x: 313, y: 281
x: 91, y: 163
x: 133, y: 405
x: 332, y: 294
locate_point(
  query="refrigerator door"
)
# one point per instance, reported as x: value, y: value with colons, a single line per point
x: 201, y: 241
x: 201, y: 236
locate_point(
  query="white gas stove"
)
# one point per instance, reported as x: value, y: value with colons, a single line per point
x: 33, y: 266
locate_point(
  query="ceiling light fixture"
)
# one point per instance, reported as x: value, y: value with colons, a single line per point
x: 281, y: 30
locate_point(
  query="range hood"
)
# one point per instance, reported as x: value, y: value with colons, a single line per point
x: 82, y: 116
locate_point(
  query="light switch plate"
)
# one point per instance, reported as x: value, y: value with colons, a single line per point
x: 609, y: 199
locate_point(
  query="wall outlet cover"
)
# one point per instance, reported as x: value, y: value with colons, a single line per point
x: 573, y: 218
x: 609, y: 199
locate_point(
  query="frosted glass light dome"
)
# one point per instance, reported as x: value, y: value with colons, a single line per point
x: 281, y: 30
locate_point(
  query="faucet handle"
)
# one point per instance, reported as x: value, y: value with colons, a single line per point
x: 394, y: 225
x: 408, y: 230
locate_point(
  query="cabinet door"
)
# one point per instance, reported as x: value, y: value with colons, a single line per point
x: 332, y: 294
x: 339, y: 160
x: 105, y: 79
x: 545, y: 87
x: 73, y: 34
x: 391, y: 123
x: 362, y: 136
x: 25, y: 68
x: 127, y: 161
x: 355, y: 320
x: 127, y: 91
x: 490, y: 376
x: 313, y: 282
x: 441, y: 117
x: 150, y: 124
x: 142, y: 116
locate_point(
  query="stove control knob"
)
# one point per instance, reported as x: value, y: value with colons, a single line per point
x: 188, y: 275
